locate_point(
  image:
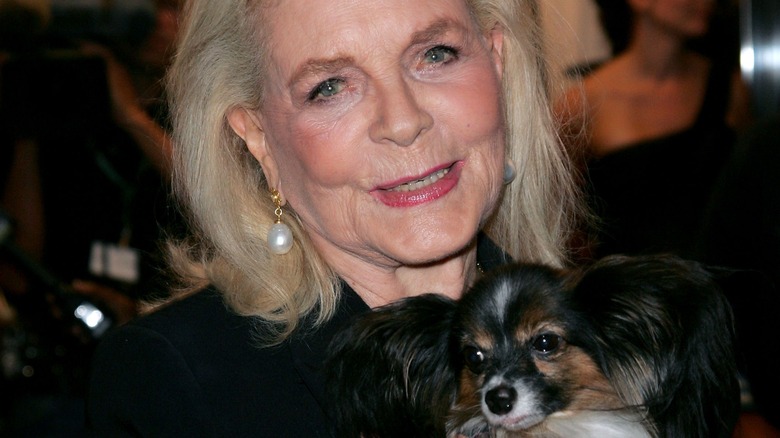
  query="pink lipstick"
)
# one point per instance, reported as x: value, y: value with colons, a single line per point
x: 409, y: 192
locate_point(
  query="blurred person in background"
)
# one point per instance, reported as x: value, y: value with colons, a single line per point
x: 656, y: 126
x: 657, y: 122
x: 84, y: 172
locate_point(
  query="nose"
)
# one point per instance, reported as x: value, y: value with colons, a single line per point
x: 501, y: 399
x: 399, y: 118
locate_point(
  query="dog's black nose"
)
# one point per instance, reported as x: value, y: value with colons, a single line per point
x: 500, y: 399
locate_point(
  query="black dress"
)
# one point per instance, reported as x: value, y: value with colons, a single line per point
x: 193, y: 369
x: 652, y: 196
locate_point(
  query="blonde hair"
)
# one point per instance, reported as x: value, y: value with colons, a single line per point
x: 218, y: 68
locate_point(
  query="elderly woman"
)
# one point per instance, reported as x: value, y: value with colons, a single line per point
x: 334, y: 156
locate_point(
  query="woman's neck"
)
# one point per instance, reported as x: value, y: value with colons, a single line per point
x: 378, y: 284
x: 656, y: 52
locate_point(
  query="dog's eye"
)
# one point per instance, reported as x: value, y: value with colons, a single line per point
x: 474, y: 358
x: 546, y: 342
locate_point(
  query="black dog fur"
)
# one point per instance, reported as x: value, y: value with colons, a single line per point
x: 530, y: 351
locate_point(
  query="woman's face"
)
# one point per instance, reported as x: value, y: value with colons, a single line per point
x: 382, y: 125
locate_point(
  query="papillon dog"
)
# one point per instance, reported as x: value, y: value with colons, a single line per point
x: 628, y: 347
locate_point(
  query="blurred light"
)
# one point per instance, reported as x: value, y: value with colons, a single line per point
x: 747, y: 61
x: 772, y: 57
x: 89, y: 314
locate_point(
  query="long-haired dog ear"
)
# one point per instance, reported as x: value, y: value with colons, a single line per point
x: 389, y: 375
x: 669, y: 332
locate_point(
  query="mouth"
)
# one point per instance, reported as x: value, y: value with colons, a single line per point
x: 420, y: 189
x: 520, y: 422
x: 421, y: 183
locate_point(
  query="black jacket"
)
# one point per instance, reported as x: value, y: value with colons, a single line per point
x: 193, y: 369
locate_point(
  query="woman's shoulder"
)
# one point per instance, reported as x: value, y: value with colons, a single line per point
x: 206, y: 304
x: 195, y: 359
x: 198, y: 326
x: 602, y: 78
x: 188, y: 329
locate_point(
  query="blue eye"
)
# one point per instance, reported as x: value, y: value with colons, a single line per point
x: 326, y: 89
x: 440, y: 54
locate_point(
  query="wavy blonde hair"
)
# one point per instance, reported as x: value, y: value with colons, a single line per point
x: 218, y: 68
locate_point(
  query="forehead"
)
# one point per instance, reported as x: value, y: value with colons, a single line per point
x: 300, y: 29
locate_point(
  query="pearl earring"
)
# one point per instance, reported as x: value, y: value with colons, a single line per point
x: 280, y: 238
x: 509, y: 171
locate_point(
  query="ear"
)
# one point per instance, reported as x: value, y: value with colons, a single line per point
x: 246, y: 124
x: 495, y: 40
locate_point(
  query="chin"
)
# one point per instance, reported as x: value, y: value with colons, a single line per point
x: 628, y: 347
x: 436, y: 245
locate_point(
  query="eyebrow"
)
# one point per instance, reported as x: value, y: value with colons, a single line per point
x: 434, y: 31
x: 316, y: 66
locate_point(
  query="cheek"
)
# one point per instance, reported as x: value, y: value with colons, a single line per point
x: 475, y: 107
x: 319, y: 156
x: 480, y: 121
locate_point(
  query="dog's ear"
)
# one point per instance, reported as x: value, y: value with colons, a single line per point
x: 389, y: 372
x: 666, y: 332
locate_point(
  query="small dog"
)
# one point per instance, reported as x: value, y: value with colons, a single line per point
x: 629, y: 347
